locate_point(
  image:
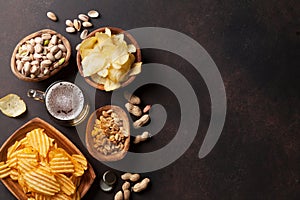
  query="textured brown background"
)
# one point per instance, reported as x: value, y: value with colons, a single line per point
x: 256, y: 46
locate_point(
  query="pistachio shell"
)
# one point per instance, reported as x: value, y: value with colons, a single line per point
x: 51, y: 16
x: 70, y: 30
x: 93, y: 14
x: 83, y: 17
x: 69, y: 23
x: 87, y: 24
x: 84, y: 34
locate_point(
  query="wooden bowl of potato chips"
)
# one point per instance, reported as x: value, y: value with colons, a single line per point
x: 39, y: 162
x: 109, y: 58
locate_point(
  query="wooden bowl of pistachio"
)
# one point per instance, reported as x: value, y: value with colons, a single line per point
x: 108, y: 133
x: 40, y: 55
x: 109, y: 58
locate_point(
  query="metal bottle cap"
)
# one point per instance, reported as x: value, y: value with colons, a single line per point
x: 105, y: 187
x: 109, y: 178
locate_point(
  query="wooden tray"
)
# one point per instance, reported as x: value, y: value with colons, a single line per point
x: 13, y: 186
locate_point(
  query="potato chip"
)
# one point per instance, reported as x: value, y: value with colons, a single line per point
x: 118, y: 38
x: 67, y: 186
x: 107, y: 32
x: 38, y: 196
x: 98, y: 79
x: 24, y: 141
x: 4, y: 170
x: 80, y: 159
x: 12, y: 105
x: 76, y: 196
x: 88, y: 43
x: 13, y: 148
x: 12, y: 163
x: 136, y: 69
x: 25, y: 166
x: 14, y: 174
x: 42, y: 182
x: 131, y: 48
x: 76, y: 180
x: 110, y: 85
x: 39, y: 141
x: 92, y: 64
x: 61, y: 196
x: 15, y: 154
x: 60, y: 161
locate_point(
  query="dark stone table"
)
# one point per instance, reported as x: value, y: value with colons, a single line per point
x: 256, y: 47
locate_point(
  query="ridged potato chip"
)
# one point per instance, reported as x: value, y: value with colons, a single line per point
x: 67, y: 186
x: 4, y: 170
x: 40, y: 141
x: 12, y: 105
x: 80, y: 159
x: 76, y: 180
x: 14, y: 174
x: 42, y: 181
x: 38, y: 196
x: 76, y: 196
x: 61, y: 196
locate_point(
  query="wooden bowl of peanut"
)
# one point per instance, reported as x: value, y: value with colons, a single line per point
x: 108, y: 133
x: 40, y: 55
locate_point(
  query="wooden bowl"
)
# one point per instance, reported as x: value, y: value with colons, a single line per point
x: 128, y: 38
x: 13, y: 63
x: 90, y: 126
x: 63, y: 142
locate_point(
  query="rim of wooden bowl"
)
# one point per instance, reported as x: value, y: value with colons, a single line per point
x: 89, y: 139
x: 128, y: 38
x: 33, y: 35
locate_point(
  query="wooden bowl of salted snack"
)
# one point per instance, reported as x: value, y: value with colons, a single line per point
x: 109, y: 58
x: 40, y: 55
x: 108, y: 133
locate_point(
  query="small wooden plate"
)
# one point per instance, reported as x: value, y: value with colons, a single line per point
x: 63, y: 142
x: 33, y: 35
x: 90, y: 126
x: 128, y: 38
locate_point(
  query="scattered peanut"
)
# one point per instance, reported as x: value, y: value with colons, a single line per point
x: 133, y: 109
x: 119, y: 196
x: 142, y: 121
x: 141, y: 138
x: 147, y: 108
x: 138, y: 187
x: 126, y: 194
x: 132, y: 98
x: 125, y: 186
x: 131, y: 177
